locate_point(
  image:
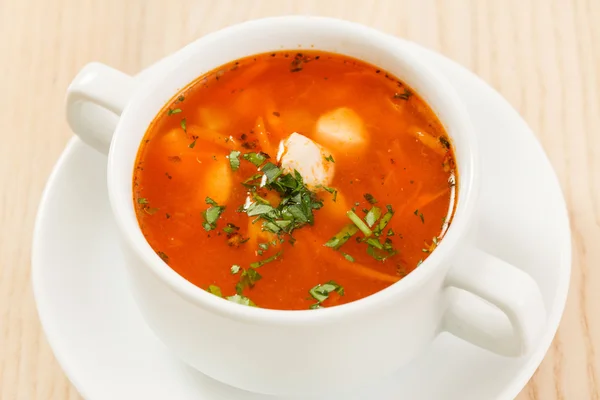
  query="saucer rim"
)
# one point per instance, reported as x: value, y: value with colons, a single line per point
x: 522, y: 374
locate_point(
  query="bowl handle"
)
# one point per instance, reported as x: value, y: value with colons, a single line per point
x: 95, y: 100
x: 503, y: 285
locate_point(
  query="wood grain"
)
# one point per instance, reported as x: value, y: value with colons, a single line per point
x: 543, y: 56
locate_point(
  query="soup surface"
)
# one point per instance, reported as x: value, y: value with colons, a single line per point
x: 295, y: 181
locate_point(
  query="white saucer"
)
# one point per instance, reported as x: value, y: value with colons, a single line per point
x: 108, y: 352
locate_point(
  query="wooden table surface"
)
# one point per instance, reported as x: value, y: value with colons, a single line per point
x: 543, y: 56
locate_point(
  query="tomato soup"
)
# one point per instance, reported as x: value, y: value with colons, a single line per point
x: 295, y: 181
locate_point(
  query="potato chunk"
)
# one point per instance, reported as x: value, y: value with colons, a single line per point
x: 341, y: 129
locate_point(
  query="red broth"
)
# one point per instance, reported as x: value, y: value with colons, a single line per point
x: 375, y: 198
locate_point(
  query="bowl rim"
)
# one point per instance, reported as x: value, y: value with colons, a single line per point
x: 467, y: 165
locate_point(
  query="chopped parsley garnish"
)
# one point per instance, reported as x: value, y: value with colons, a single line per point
x: 260, y: 263
x: 444, y: 141
x: 369, y: 197
x: 374, y: 242
x: 183, y: 124
x: 243, y: 300
x: 271, y: 171
x: 142, y: 200
x: 150, y: 210
x: 263, y: 246
x: 251, y: 182
x: 235, y: 269
x: 331, y: 190
x: 256, y: 158
x: 214, y: 289
x: 258, y: 208
x: 193, y: 144
x: 174, y: 111
x: 212, y: 214
x: 210, y: 201
x: 342, y: 236
x: 234, y: 160
x: 420, y: 215
x: 390, y: 232
x: 321, y: 292
x: 372, y: 216
x: 403, y: 96
x: 248, y: 279
x: 359, y: 223
x: 384, y: 221
x: 230, y: 229
x: 295, y: 208
x: 330, y: 158
x: 163, y: 256
x: 381, y: 254
x: 348, y: 257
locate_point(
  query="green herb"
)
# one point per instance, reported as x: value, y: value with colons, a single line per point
x: 212, y: 214
x: 321, y: 292
x: 243, y: 300
x: 327, y: 188
x: 444, y: 141
x: 420, y: 215
x: 234, y: 160
x: 174, y: 111
x: 384, y: 221
x: 387, y: 244
x: 214, y: 289
x: 420, y: 262
x: 330, y: 158
x: 390, y: 232
x: 403, y: 96
x: 184, y: 125
x: 359, y: 223
x: 342, y: 236
x: 248, y: 279
x: 255, y: 158
x: 372, y: 216
x: 163, y: 256
x: 260, y: 263
x: 151, y: 210
x: 271, y: 171
x: 379, y: 254
x: 348, y: 257
x: 180, y: 99
x: 374, y: 242
x: 142, y: 200
x: 210, y: 201
x: 258, y: 209
x: 231, y: 228
x: 192, y: 145
x: 235, y: 269
x: 260, y: 199
x: 369, y: 197
x: 250, y: 181
x: 263, y: 246
x: 295, y: 208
